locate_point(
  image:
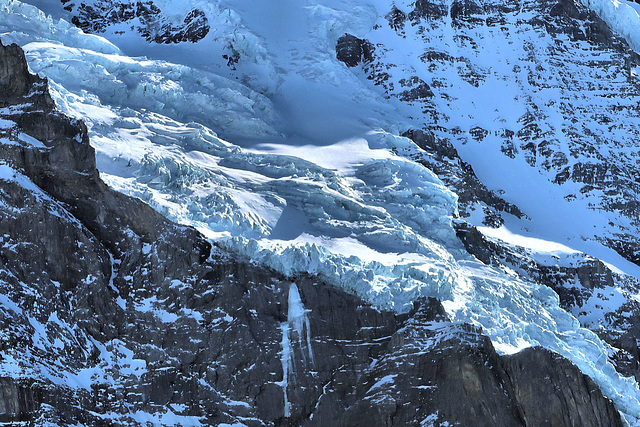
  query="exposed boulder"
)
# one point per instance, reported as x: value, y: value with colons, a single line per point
x: 417, y: 90
x: 353, y: 51
x: 396, y: 18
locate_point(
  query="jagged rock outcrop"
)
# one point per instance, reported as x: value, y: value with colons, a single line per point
x: 112, y: 315
x: 153, y: 25
x: 440, y: 364
x: 549, y: 402
x: 353, y: 51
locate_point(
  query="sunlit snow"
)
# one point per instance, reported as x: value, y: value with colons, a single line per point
x: 295, y: 166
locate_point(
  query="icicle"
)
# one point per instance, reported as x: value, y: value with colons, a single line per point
x: 298, y: 321
x: 285, y: 359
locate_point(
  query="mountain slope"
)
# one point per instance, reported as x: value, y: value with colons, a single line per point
x: 327, y: 184
x: 140, y: 321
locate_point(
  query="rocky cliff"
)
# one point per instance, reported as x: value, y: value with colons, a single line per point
x: 143, y: 16
x: 573, y: 82
x: 113, y: 315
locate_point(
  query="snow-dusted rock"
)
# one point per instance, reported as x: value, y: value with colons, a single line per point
x: 127, y: 319
x: 302, y: 183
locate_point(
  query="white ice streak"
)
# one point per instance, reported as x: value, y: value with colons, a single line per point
x: 285, y: 361
x: 297, y: 328
x: 298, y: 319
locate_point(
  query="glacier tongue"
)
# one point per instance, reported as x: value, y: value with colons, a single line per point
x: 365, y: 219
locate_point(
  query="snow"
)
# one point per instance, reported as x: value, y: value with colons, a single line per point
x: 29, y: 140
x: 606, y: 300
x: 389, y: 379
x: 537, y: 245
x: 7, y: 304
x: 291, y: 161
x: 168, y: 418
x: 432, y: 421
x: 151, y: 305
x: 6, y: 124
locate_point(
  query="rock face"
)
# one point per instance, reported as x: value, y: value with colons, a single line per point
x: 151, y: 23
x: 353, y: 51
x: 560, y: 50
x: 550, y: 403
x: 121, y: 317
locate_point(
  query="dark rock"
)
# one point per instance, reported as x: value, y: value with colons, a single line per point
x: 429, y: 10
x: 194, y: 28
x: 594, y: 274
x: 233, y: 58
x: 16, y: 83
x: 153, y: 27
x: 576, y: 401
x: 466, y: 11
x: 478, y: 133
x: 428, y: 142
x: 567, y: 8
x: 419, y: 90
x: 475, y: 243
x: 396, y: 18
x: 353, y: 51
x: 16, y: 402
x: 440, y: 365
x: 627, y: 246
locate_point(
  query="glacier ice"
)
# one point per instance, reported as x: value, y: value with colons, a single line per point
x: 367, y: 220
x: 621, y: 16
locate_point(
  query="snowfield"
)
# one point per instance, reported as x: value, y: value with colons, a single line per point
x: 290, y: 161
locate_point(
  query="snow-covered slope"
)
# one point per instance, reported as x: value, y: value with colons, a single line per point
x: 259, y: 137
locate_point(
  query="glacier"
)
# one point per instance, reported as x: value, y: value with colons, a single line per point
x: 297, y: 168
